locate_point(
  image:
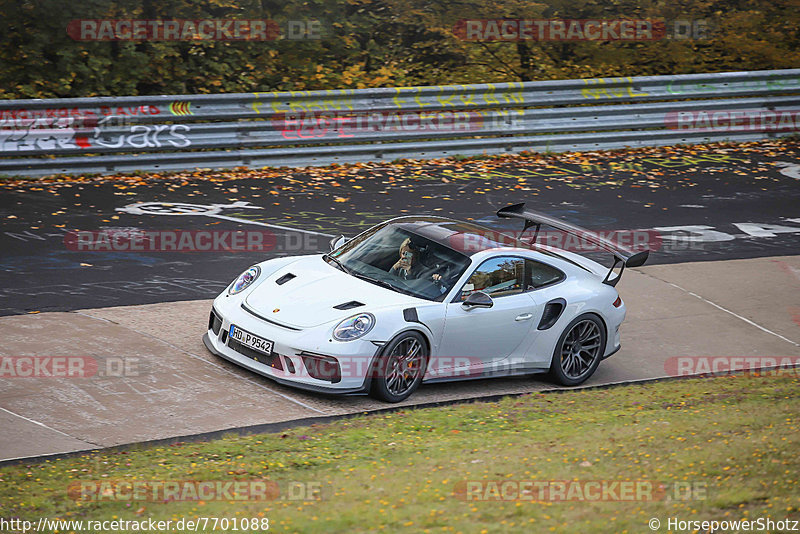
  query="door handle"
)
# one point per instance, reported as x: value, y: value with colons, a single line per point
x: 523, y: 317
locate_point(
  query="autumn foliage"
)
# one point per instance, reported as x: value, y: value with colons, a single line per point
x: 374, y: 43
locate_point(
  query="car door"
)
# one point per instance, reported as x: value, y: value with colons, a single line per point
x: 486, y: 336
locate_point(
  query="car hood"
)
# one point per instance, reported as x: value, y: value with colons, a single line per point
x: 308, y: 299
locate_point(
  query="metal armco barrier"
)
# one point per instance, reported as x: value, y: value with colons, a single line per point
x: 299, y: 128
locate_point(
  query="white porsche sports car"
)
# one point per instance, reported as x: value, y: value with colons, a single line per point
x: 424, y: 299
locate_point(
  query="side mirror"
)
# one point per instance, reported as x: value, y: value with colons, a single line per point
x: 337, y: 242
x: 479, y: 299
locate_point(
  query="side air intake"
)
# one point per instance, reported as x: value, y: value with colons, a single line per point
x: 552, y: 311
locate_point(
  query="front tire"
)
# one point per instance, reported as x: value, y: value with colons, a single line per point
x: 400, y: 367
x: 579, y: 350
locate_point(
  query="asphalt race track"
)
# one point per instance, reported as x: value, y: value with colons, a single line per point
x: 658, y: 188
x: 730, y: 290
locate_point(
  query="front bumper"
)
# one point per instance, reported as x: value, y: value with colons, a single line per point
x: 613, y: 352
x: 292, y: 350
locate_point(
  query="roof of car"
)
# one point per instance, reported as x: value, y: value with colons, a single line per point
x: 465, y: 237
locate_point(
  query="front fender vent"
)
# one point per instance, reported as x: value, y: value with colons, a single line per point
x: 552, y: 311
x: 285, y: 278
x: 410, y: 315
x: 349, y: 305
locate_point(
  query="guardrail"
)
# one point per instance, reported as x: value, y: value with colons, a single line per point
x: 301, y: 128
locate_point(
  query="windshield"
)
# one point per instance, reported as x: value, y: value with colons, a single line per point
x: 393, y: 256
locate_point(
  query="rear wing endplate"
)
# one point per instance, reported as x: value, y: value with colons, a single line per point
x: 623, y: 256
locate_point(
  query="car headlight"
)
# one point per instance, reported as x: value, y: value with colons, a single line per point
x: 354, y: 327
x: 244, y: 280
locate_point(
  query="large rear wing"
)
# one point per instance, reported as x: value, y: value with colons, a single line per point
x: 623, y: 256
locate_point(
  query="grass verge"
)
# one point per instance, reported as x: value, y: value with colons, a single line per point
x: 717, y: 448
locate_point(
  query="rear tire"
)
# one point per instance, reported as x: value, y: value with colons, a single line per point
x: 400, y: 367
x: 579, y: 350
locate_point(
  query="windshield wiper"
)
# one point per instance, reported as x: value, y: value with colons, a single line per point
x: 337, y: 262
x: 383, y: 283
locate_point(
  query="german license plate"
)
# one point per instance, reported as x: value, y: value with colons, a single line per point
x: 250, y: 340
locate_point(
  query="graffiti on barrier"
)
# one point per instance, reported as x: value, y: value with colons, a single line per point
x: 411, y: 97
x: 144, y: 136
x: 338, y: 100
x: 55, y: 129
x: 20, y: 118
x: 62, y: 136
x: 405, y: 98
x: 610, y: 88
x: 43, y: 134
x: 775, y: 84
